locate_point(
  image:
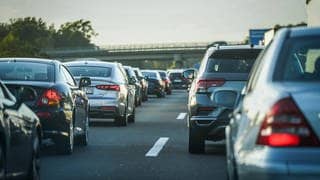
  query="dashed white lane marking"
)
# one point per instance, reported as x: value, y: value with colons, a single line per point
x: 181, y: 116
x: 157, y: 147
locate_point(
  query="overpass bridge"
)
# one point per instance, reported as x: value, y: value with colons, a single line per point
x: 185, y: 54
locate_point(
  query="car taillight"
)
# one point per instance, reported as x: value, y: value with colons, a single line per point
x: 108, y: 87
x: 50, y: 97
x: 286, y: 126
x: 204, y: 84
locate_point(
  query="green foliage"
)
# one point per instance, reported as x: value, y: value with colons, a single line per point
x: 25, y: 37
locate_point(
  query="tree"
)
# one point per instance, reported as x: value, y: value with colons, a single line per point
x: 75, y: 34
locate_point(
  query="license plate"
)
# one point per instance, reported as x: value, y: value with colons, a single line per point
x: 94, y: 102
x: 177, y: 80
x: 88, y: 90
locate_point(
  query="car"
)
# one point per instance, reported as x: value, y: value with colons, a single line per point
x: 59, y: 103
x: 274, y: 133
x: 166, y: 81
x: 137, y: 86
x: 20, y: 136
x: 221, y: 68
x: 155, y: 83
x: 143, y: 82
x: 177, y: 80
x: 110, y: 95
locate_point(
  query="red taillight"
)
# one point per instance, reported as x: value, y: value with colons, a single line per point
x: 204, y: 84
x: 286, y: 126
x: 50, y: 97
x: 108, y: 87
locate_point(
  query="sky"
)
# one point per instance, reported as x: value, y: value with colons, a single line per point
x: 162, y: 21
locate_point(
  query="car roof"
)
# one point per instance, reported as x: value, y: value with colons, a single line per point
x: 304, y: 31
x: 92, y: 63
x: 234, y: 47
x: 40, y: 60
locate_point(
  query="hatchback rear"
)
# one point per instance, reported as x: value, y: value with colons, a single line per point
x: 223, y: 68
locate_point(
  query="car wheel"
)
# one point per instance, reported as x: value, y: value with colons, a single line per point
x: 2, y: 162
x: 196, y: 142
x: 65, y: 144
x: 122, y: 120
x: 132, y: 117
x: 83, y: 139
x: 34, y: 170
x: 169, y: 92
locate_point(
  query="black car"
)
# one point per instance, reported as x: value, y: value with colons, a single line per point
x: 155, y: 83
x: 143, y: 82
x: 177, y: 79
x: 138, y: 88
x: 20, y: 136
x: 60, y: 104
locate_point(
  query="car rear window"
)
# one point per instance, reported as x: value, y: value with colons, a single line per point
x: 26, y: 71
x: 300, y: 60
x: 150, y: 74
x: 175, y: 75
x: 91, y: 71
x: 232, y: 61
x: 162, y: 74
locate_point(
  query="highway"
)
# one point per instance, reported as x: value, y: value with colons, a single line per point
x: 154, y: 147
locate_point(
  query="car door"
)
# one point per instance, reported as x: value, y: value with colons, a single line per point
x: 79, y: 102
x: 20, y: 133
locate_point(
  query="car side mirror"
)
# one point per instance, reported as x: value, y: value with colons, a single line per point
x: 225, y: 98
x: 84, y: 81
x: 188, y: 74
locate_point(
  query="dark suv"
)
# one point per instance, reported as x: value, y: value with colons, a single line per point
x: 222, y: 68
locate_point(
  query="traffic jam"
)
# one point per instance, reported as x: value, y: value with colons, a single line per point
x: 247, y: 112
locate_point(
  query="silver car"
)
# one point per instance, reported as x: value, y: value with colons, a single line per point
x: 225, y: 67
x: 109, y: 93
x: 274, y: 133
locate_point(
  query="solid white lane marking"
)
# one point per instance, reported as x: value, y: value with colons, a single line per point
x: 157, y: 147
x: 181, y: 116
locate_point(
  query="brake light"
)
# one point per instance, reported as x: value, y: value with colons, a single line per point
x: 286, y: 126
x: 50, y: 97
x: 204, y: 84
x: 108, y: 87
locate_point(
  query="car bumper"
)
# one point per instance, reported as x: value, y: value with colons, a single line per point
x: 104, y: 108
x: 55, y: 122
x: 209, y: 127
x: 295, y: 166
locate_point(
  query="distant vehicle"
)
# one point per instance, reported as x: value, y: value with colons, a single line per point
x: 274, y: 133
x: 166, y: 81
x: 177, y: 80
x: 222, y: 68
x: 143, y: 82
x: 155, y: 83
x: 20, y: 136
x: 110, y: 94
x: 59, y: 103
x: 137, y: 86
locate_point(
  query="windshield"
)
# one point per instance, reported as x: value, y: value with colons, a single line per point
x: 302, y: 62
x: 150, y: 74
x: 26, y: 71
x: 90, y: 71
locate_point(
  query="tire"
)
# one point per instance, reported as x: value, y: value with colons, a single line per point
x: 169, y: 92
x: 34, y: 170
x: 122, y: 120
x: 159, y: 95
x: 2, y: 162
x: 83, y: 139
x: 196, y: 142
x: 131, y: 118
x: 65, y: 144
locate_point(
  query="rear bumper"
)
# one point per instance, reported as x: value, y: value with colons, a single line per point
x: 105, y: 107
x: 154, y: 90
x: 209, y: 127
x: 55, y: 122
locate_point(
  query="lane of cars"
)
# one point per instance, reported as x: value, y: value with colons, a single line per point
x: 261, y: 101
x: 44, y: 101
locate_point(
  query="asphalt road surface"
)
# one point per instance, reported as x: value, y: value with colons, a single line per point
x: 154, y: 147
